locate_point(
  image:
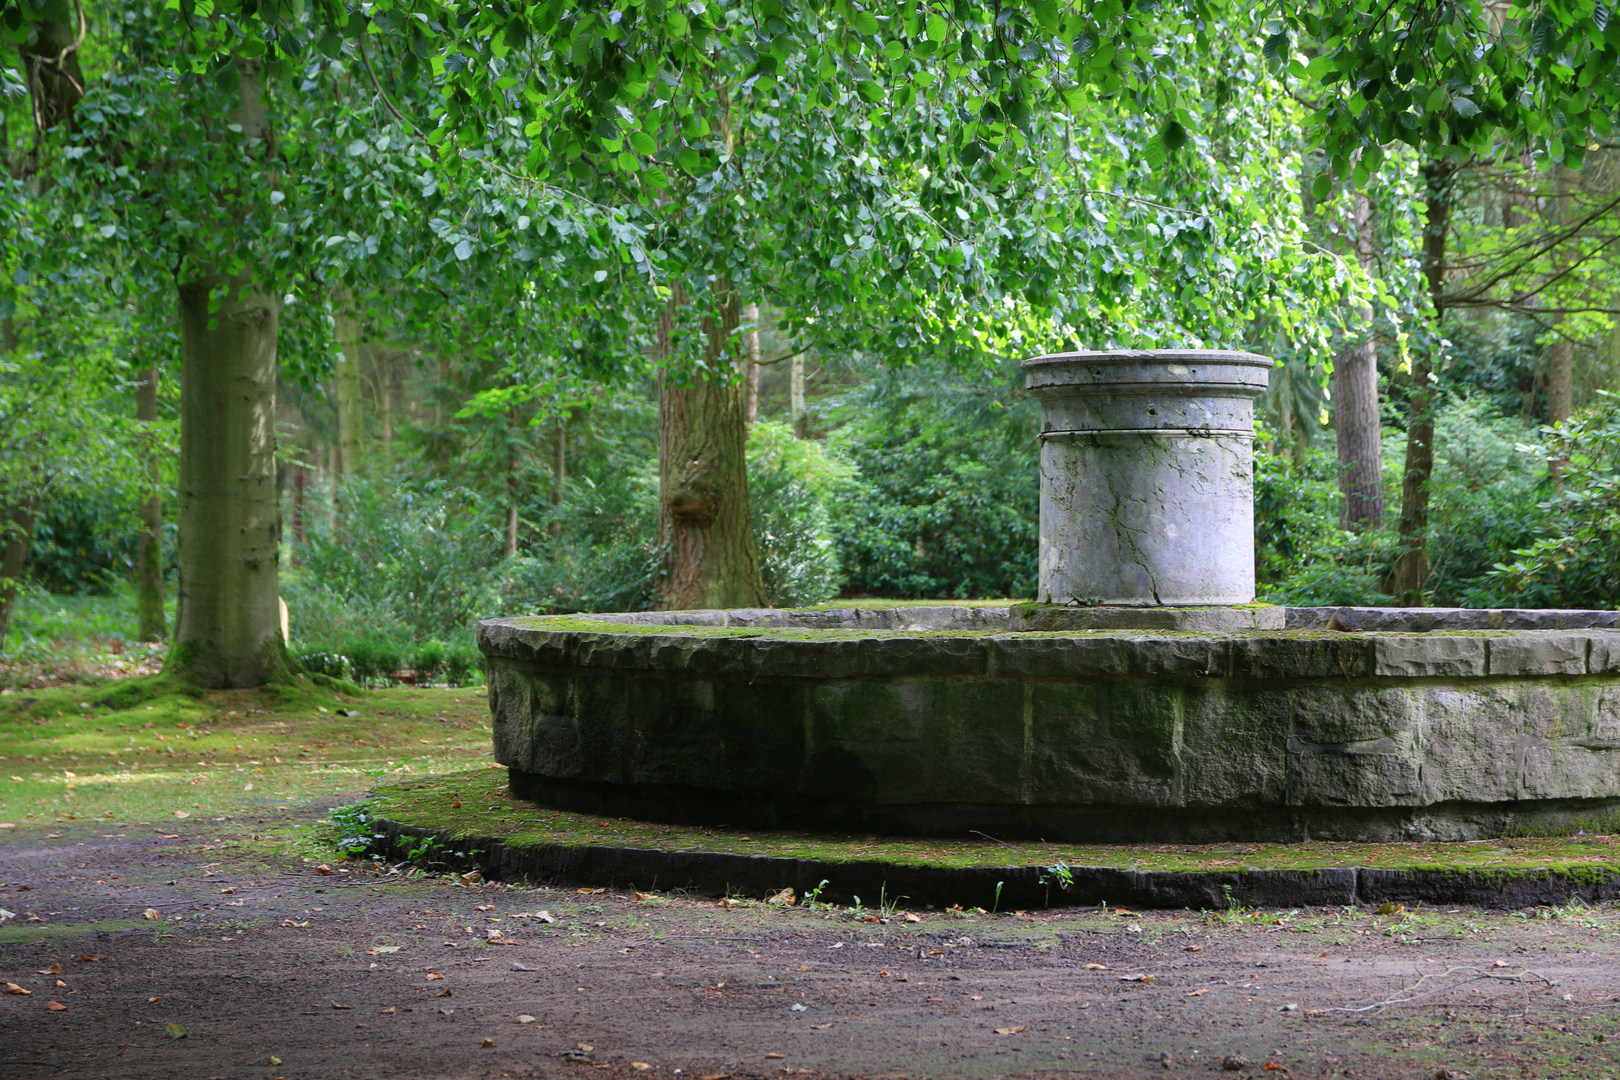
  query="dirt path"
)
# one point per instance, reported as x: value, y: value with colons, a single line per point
x: 289, y: 973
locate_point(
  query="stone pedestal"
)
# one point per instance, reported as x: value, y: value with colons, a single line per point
x: 1147, y: 476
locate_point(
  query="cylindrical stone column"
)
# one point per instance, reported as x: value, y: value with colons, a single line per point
x: 1147, y: 476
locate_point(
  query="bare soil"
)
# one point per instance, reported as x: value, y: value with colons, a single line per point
x: 281, y: 971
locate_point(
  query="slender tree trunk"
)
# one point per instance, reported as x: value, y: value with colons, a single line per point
x: 1356, y: 419
x: 17, y: 534
x: 300, y: 510
x: 229, y: 625
x: 1560, y: 381
x: 801, y: 422
x: 511, y: 504
x: 751, y: 408
x: 383, y: 364
x: 50, y: 64
x: 1410, y: 573
x: 559, y: 470
x: 704, y: 527
x: 149, y: 550
x: 346, y: 382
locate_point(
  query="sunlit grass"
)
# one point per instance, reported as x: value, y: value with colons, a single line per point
x: 68, y: 755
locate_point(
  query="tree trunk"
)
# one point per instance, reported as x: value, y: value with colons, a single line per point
x: 511, y: 503
x: 300, y: 509
x: 229, y: 624
x: 751, y: 406
x: 801, y: 422
x: 346, y: 382
x: 704, y: 527
x: 1560, y: 381
x: 149, y: 550
x: 1410, y: 573
x: 50, y: 65
x: 559, y: 470
x: 17, y: 535
x: 1356, y: 420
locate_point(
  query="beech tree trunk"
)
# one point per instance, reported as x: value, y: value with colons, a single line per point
x: 149, y: 549
x: 346, y: 382
x: 1410, y: 574
x: 559, y: 470
x: 751, y: 336
x: 704, y: 527
x: 16, y: 537
x: 229, y: 624
x: 50, y: 64
x: 1356, y: 419
x: 801, y: 422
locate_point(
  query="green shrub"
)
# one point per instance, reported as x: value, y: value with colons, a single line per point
x: 461, y: 662
x: 331, y: 664
x: 790, y: 481
x: 427, y: 661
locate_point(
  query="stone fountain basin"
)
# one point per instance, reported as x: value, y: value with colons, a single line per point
x: 1432, y: 724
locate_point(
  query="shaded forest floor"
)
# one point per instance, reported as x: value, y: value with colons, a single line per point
x: 199, y: 922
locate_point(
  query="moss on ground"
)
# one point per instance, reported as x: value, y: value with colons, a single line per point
x: 150, y: 753
x: 477, y: 804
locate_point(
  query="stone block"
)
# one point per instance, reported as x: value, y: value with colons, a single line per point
x: 1338, y: 657
x: 1537, y: 653
x: 1428, y: 656
x: 924, y: 655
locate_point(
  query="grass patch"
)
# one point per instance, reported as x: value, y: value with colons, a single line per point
x: 141, y: 751
x: 30, y: 933
x: 476, y: 804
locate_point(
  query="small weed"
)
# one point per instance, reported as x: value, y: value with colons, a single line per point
x: 812, y: 898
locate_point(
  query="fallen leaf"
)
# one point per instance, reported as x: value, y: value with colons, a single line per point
x: 274, y: 1060
x: 1193, y: 948
x: 883, y: 974
x: 641, y: 895
x: 447, y: 992
x: 1500, y: 964
x: 593, y: 892
x: 388, y: 1011
x: 60, y: 983
x: 153, y: 913
x: 174, y: 1031
x: 487, y: 1043
x: 726, y: 902
x: 296, y: 925
x: 1272, y: 1066
x: 715, y: 1076
x: 1129, y: 914
x: 56, y: 1006
x: 774, y: 1056
x: 912, y: 916
x: 228, y: 891
x: 1096, y: 967
x: 545, y: 916
x: 335, y: 1005
x: 379, y: 950
x: 804, y: 967
x: 182, y: 813
x: 640, y: 1066
x: 34, y: 918
x: 323, y: 870
x: 1197, y: 993
x: 153, y: 1001
x: 13, y: 988
x: 799, y: 1006
x: 1383, y: 909
x: 472, y: 877
x: 87, y: 959
x: 583, y: 1048
x: 1019, y: 1030
x: 54, y: 969
x: 786, y: 897
x: 484, y: 907
x: 523, y: 1018
x: 1136, y: 978
x: 432, y: 975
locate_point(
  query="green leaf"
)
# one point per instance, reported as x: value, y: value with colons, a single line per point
x: 356, y: 148
x: 1322, y: 186
x: 1464, y: 106
x: 675, y: 24
x: 1276, y: 48
x: 863, y: 22
x: 1153, y: 151
x: 938, y: 29
x: 1175, y: 136
x: 464, y: 249
x: 1437, y: 100
x: 642, y: 142
x: 628, y: 162
x: 870, y: 92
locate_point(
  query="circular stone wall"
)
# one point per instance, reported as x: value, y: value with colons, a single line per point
x: 943, y: 720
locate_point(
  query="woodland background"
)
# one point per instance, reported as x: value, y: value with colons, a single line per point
x: 639, y: 304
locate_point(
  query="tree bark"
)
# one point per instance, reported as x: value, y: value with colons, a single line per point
x: 559, y: 470
x: 704, y: 526
x: 17, y: 535
x: 149, y: 549
x: 1560, y: 381
x: 229, y: 623
x: 751, y: 407
x: 511, y: 503
x: 50, y: 64
x: 1410, y: 574
x: 346, y: 382
x: 801, y: 422
x: 1356, y: 420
